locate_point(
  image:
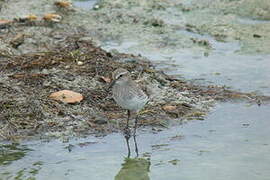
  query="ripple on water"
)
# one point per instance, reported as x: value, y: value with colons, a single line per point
x: 232, y: 142
x: 85, y: 4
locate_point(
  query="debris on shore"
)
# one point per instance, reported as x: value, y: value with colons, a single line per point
x: 28, y: 80
x: 42, y: 56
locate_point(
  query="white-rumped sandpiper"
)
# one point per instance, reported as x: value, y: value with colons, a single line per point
x: 128, y: 95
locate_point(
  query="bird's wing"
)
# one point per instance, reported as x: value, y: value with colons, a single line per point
x: 134, y: 89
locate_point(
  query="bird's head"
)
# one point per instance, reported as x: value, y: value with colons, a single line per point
x: 119, y: 74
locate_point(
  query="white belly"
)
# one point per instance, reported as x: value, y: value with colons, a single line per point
x: 134, y: 104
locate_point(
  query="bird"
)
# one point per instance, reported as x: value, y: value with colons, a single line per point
x: 128, y: 95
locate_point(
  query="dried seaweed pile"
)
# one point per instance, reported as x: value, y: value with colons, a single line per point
x: 74, y: 64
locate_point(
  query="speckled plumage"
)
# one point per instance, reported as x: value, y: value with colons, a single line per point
x: 126, y: 92
x: 128, y: 95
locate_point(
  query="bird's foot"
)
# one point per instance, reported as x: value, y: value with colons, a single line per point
x: 134, y: 134
x: 127, y: 132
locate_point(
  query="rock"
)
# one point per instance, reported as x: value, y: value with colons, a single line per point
x: 80, y: 63
x: 257, y: 36
x: 63, y: 4
x: 96, y: 7
x: 169, y: 108
x: 52, y: 17
x: 100, y: 121
x: 67, y: 96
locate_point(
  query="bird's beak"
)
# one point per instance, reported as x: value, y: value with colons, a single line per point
x: 112, y: 83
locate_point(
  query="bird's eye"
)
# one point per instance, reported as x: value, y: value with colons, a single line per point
x: 120, y: 76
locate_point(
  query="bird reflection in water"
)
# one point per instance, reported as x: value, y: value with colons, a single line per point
x: 128, y: 146
x: 134, y: 168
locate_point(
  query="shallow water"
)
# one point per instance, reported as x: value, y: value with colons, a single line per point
x: 221, y: 66
x: 85, y: 4
x: 231, y: 143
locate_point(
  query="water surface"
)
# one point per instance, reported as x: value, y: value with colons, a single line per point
x: 85, y: 4
x: 233, y: 142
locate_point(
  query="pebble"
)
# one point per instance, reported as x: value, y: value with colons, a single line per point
x: 100, y: 121
x: 80, y: 63
x: 96, y: 7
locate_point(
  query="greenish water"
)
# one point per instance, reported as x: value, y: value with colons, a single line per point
x: 233, y: 142
x: 85, y: 4
x: 222, y: 66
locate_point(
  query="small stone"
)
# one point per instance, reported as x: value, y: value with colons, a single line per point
x: 174, y: 162
x: 51, y: 17
x: 80, y: 63
x: 67, y: 96
x: 100, y: 121
x: 169, y: 108
x: 257, y: 36
x: 96, y: 7
x: 63, y: 4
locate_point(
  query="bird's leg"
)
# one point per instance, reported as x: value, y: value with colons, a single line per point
x: 128, y: 147
x: 127, y: 130
x: 128, y: 116
x: 135, y: 126
x: 136, y: 146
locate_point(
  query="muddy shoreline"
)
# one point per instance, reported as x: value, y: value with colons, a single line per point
x: 27, y: 81
x: 39, y: 57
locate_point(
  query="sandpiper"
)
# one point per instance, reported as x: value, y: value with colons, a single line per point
x: 128, y: 95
